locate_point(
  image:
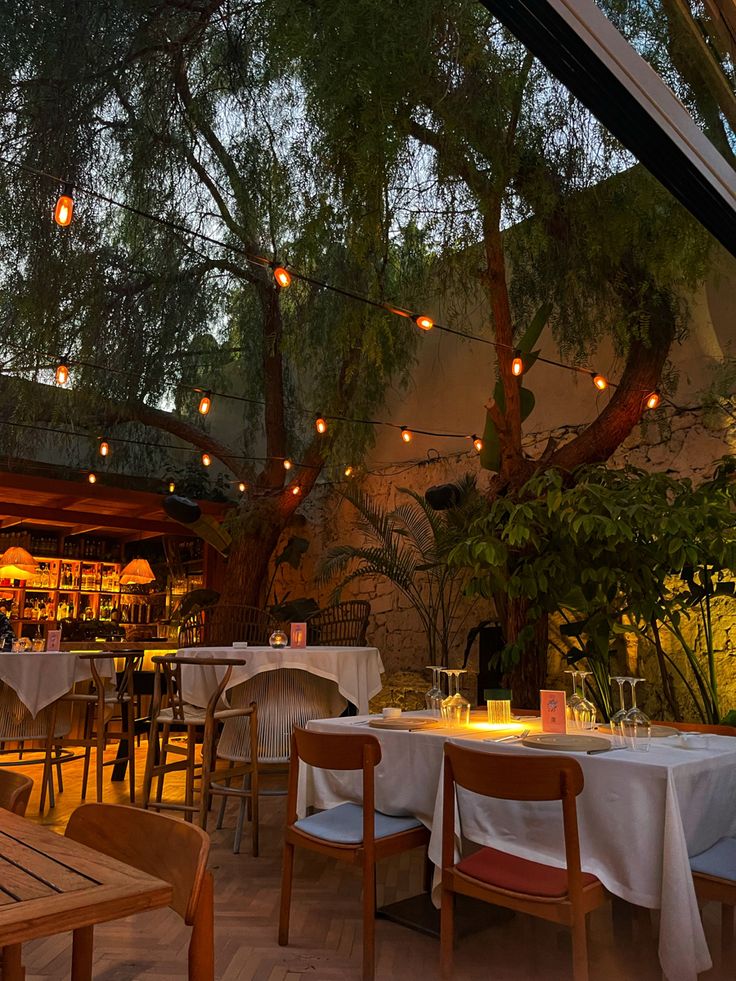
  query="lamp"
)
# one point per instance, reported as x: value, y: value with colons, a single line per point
x: 137, y: 571
x: 17, y: 563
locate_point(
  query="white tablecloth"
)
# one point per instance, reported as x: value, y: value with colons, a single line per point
x: 39, y: 678
x: 355, y: 670
x: 640, y: 815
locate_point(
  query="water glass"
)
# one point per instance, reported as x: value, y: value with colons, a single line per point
x: 434, y: 697
x: 637, y: 726
x: 584, y: 710
x: 455, y: 708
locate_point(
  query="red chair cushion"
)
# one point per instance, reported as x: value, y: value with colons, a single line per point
x: 505, y: 871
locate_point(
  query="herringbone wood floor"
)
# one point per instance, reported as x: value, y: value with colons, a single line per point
x: 325, y: 925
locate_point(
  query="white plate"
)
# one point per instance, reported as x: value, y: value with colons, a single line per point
x: 567, y: 742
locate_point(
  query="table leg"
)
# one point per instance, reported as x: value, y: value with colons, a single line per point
x: 12, y: 963
x: 82, y: 946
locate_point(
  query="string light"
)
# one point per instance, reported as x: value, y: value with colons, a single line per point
x: 282, y: 277
x: 320, y: 425
x: 600, y: 382
x: 206, y: 459
x: 104, y: 448
x: 172, y: 487
x: 422, y: 322
x: 517, y: 365
x: 205, y: 403
x: 288, y: 464
x: 653, y: 400
x: 477, y: 443
x: 64, y: 209
x: 61, y: 374
x: 242, y: 487
x: 406, y: 434
x: 92, y: 478
x: 296, y: 490
x: 348, y: 471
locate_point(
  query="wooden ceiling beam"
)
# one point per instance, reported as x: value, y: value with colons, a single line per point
x: 32, y: 512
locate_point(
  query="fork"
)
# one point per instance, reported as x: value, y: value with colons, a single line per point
x: 509, y: 739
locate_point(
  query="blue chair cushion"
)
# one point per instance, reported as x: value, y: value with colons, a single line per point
x: 719, y: 860
x: 343, y: 824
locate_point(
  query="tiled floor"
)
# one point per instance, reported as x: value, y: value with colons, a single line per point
x: 325, y: 932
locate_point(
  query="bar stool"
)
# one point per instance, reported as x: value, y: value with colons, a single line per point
x: 171, y: 714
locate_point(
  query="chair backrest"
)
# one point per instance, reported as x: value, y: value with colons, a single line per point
x: 15, y: 791
x: 167, y: 686
x: 174, y: 851
x: 124, y: 686
x: 511, y: 776
x: 224, y: 624
x: 342, y: 625
x: 712, y: 728
x: 191, y: 632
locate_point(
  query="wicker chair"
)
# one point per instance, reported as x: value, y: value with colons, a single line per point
x: 220, y: 625
x: 342, y: 625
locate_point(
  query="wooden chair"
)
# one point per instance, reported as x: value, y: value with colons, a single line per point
x: 560, y: 895
x: 170, y: 713
x: 342, y: 625
x: 706, y: 727
x: 222, y: 625
x: 191, y: 632
x: 348, y: 832
x: 166, y: 848
x: 15, y: 791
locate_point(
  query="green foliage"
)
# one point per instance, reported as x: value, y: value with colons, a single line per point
x: 614, y: 551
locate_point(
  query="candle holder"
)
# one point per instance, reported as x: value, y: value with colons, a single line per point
x: 498, y: 701
x: 278, y: 639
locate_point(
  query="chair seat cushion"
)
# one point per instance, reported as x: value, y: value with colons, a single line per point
x: 343, y: 824
x: 520, y: 875
x: 719, y: 860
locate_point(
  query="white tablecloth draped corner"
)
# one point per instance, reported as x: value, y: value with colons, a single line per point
x: 40, y: 678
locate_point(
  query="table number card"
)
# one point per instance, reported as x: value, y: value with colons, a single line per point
x: 554, y: 711
x: 298, y: 635
x: 53, y: 640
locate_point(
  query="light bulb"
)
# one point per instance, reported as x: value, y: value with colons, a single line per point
x: 62, y: 374
x: 320, y: 425
x: 288, y: 464
x: 206, y: 459
x: 296, y: 490
x: 172, y: 487
x: 104, y: 448
x: 406, y: 434
x: 205, y: 404
x: 422, y: 322
x: 242, y: 487
x: 348, y: 471
x: 600, y: 382
x: 517, y: 366
x: 64, y: 210
x: 282, y: 277
x: 653, y: 400
x: 477, y: 443
x: 92, y: 478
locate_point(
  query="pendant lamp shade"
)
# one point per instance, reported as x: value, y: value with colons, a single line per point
x: 17, y: 563
x: 136, y: 572
x: 14, y: 572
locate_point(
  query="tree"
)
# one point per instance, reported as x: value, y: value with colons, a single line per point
x: 176, y: 110
x: 509, y: 171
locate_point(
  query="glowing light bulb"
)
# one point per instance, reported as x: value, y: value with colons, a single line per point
x: 406, y: 434
x: 206, y: 459
x: 92, y: 478
x: 653, y: 400
x: 282, y: 277
x: 423, y: 322
x: 477, y: 443
x: 104, y: 448
x: 517, y: 366
x: 242, y: 487
x: 205, y: 404
x: 172, y: 487
x: 296, y: 490
x: 64, y: 210
x: 320, y: 425
x: 62, y: 374
x: 348, y: 471
x: 288, y: 464
x: 600, y: 382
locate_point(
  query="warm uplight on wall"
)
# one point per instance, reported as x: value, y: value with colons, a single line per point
x: 205, y: 404
x: 406, y: 434
x: 348, y: 471
x: 282, y: 277
x: 92, y: 478
x: 422, y: 322
x: 288, y: 464
x: 600, y: 382
x: 517, y: 366
x: 477, y: 443
x: 320, y: 425
x: 104, y: 448
x: 61, y: 374
x: 64, y: 210
x: 652, y: 400
x: 206, y: 459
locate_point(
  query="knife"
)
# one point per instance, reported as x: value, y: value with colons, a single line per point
x: 604, y: 749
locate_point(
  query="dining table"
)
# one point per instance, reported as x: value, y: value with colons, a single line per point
x: 39, y: 678
x: 50, y: 884
x: 641, y: 815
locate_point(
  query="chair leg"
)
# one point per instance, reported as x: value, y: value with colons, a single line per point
x: 223, y: 800
x: 369, y: 922
x: 447, y: 932
x: 100, y: 749
x: 162, y: 763
x: 131, y: 749
x: 12, y: 963
x: 189, y: 785
x: 579, y: 949
x: 47, y: 778
x: 202, y: 943
x: 82, y: 947
x: 254, y: 802
x: 150, y: 762
x: 726, y: 936
x: 207, y: 766
x: 287, y: 875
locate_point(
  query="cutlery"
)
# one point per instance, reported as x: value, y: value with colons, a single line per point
x: 509, y: 739
x: 603, y: 749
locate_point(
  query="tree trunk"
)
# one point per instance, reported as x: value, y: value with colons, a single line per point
x: 529, y: 674
x: 255, y: 537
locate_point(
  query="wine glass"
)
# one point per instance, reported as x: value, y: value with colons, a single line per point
x: 617, y: 719
x: 455, y: 708
x: 637, y: 726
x: 585, y: 710
x: 574, y: 700
x: 435, y: 695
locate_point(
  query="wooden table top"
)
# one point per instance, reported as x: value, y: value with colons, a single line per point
x: 50, y: 884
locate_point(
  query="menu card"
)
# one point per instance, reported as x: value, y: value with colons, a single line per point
x: 53, y: 640
x: 298, y: 635
x: 554, y: 711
